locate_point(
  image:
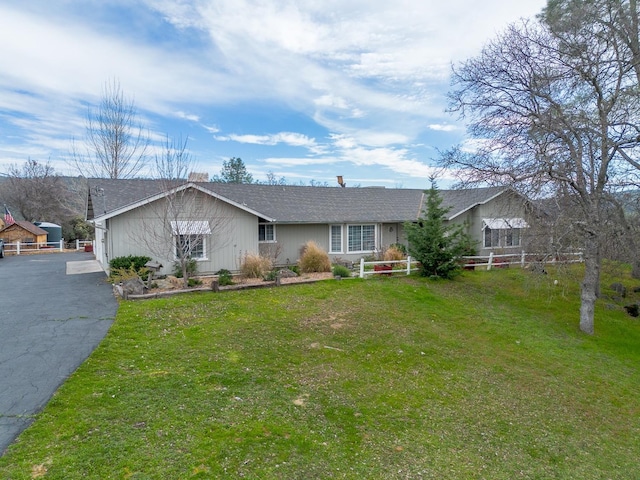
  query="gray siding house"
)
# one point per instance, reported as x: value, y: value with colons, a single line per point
x: 223, y: 222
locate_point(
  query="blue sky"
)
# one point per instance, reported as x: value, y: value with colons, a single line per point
x: 304, y: 89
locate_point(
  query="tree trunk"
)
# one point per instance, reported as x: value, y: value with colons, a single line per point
x: 185, y: 273
x: 635, y: 272
x: 590, y: 284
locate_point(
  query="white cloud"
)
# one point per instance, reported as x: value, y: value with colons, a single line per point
x: 444, y: 127
x: 287, y: 138
x: 372, y: 73
x: 187, y: 116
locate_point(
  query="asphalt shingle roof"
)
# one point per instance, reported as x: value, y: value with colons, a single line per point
x: 296, y: 204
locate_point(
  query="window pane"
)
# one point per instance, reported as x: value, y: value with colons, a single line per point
x: 495, y: 238
x: 336, y: 238
x: 197, y: 247
x: 191, y: 245
x: 368, y: 237
x: 362, y: 238
x: 266, y: 233
x: 355, y: 238
x: 515, y: 237
x: 487, y: 237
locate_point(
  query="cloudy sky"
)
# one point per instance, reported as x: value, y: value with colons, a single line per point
x: 305, y: 89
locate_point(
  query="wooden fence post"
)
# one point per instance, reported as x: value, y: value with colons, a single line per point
x: 18, y: 247
x: 490, y: 261
x: 522, y: 260
x: 361, y: 267
x: 408, y: 264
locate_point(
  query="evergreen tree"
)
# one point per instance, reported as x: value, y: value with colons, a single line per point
x: 233, y: 171
x: 435, y: 244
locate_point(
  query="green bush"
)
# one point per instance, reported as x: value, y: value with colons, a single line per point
x: 192, y: 268
x: 271, y: 276
x: 224, y: 277
x: 341, y: 271
x: 135, y: 262
x: 192, y: 282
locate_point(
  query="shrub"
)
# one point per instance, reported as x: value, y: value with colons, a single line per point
x: 400, y: 246
x: 224, y: 277
x: 437, y: 245
x: 341, y: 271
x: 121, y: 274
x: 192, y: 268
x: 314, y: 259
x: 271, y: 276
x: 255, y: 266
x: 135, y: 262
x: 393, y: 253
x: 192, y: 282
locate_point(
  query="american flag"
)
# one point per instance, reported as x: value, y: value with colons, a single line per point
x: 8, y: 218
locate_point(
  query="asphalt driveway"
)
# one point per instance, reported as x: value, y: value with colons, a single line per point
x: 54, y: 310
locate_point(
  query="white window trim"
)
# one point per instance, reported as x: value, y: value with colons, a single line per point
x: 502, y: 236
x: 204, y: 258
x: 375, y: 237
x: 341, y: 250
x: 502, y: 226
x: 275, y: 240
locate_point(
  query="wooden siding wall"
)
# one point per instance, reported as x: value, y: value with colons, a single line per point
x: 504, y: 206
x: 15, y: 233
x: 291, y: 238
x: 143, y: 231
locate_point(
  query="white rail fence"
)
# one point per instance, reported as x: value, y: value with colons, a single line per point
x: 522, y: 259
x: 386, y: 267
x: 21, y: 248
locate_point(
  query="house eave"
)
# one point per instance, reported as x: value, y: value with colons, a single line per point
x: 474, y: 205
x: 158, y: 196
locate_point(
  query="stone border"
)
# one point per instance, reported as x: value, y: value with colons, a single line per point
x: 216, y: 288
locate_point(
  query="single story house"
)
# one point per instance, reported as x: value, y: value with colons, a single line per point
x: 25, y: 232
x: 221, y: 222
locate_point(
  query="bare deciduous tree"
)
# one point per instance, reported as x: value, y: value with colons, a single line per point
x: 556, y: 110
x: 36, y: 192
x: 116, y: 143
x: 186, y: 224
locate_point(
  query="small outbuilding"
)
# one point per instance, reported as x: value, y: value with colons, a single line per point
x: 28, y: 234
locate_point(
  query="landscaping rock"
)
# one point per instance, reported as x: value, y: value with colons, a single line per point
x: 619, y: 289
x: 286, y: 273
x: 133, y: 286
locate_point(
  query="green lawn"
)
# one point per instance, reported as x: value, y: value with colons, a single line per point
x: 484, y: 377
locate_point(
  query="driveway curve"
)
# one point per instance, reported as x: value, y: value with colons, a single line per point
x: 54, y: 311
